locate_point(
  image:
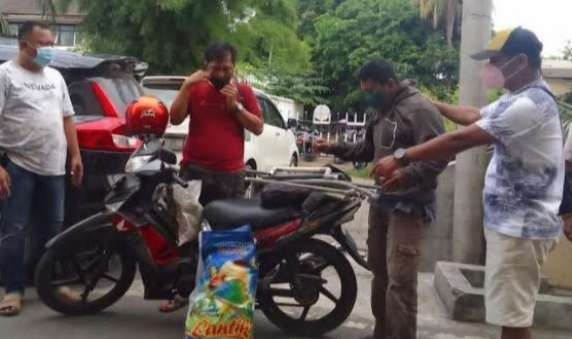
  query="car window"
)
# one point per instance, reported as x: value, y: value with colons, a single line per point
x: 271, y: 114
x: 83, y: 99
x: 121, y: 90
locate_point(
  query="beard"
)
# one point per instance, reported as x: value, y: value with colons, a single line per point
x: 219, y: 83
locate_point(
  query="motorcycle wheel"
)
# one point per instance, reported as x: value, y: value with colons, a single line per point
x: 296, y: 311
x: 96, y: 274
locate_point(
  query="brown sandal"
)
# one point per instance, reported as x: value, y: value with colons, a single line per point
x: 173, y: 305
x: 11, y: 305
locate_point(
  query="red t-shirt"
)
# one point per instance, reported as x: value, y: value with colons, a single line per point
x: 216, y: 137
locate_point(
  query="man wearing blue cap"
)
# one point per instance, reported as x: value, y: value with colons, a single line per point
x: 524, y: 180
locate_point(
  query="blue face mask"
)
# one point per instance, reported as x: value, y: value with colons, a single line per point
x: 44, y: 56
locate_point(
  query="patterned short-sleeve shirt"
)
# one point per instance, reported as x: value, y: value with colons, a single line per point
x: 525, y: 178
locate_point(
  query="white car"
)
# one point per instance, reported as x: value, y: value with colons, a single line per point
x: 275, y: 147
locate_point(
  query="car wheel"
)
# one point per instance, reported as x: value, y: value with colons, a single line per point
x: 294, y: 161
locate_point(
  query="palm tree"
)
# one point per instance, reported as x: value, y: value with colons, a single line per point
x: 3, y: 25
x: 49, y: 9
x: 439, y: 12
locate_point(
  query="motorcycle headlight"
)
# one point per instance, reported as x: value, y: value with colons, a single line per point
x: 136, y: 163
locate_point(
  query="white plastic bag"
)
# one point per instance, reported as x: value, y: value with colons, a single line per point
x: 189, y: 210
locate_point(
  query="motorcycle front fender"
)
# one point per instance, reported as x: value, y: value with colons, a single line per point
x: 348, y: 244
x: 98, y: 222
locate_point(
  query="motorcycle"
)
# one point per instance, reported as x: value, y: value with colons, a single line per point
x: 307, y: 286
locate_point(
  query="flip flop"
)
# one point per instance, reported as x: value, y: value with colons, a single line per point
x: 173, y: 305
x: 11, y: 305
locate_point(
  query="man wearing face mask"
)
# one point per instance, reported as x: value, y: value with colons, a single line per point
x: 404, y: 118
x: 36, y: 128
x: 220, y: 110
x: 524, y: 180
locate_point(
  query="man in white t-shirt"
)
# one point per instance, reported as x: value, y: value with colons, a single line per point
x: 524, y: 180
x: 36, y: 129
x: 566, y: 207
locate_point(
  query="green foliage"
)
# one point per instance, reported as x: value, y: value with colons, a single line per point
x: 171, y: 35
x: 362, y: 30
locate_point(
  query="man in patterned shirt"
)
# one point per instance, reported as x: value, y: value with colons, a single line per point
x: 524, y: 180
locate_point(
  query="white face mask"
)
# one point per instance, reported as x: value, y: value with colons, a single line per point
x: 493, y: 76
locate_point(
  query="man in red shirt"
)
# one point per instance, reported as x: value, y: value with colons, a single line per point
x: 220, y: 109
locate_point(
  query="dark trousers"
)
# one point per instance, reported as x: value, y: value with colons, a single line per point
x: 215, y: 185
x: 394, y: 248
x: 34, y: 200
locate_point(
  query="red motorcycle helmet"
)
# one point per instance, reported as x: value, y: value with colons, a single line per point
x: 147, y: 116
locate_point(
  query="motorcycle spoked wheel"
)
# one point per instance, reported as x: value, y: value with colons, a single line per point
x: 95, y: 272
x: 327, y: 289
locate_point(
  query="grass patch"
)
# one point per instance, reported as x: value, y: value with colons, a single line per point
x: 361, y: 173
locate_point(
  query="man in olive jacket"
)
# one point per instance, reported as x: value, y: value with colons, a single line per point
x: 396, y: 225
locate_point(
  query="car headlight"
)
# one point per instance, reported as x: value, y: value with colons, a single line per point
x: 136, y: 163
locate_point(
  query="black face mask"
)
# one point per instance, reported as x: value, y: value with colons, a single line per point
x: 374, y: 99
x: 219, y: 83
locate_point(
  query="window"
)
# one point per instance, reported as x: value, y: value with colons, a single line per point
x: 13, y: 29
x: 271, y: 114
x: 83, y: 100
x: 122, y: 90
x: 66, y: 35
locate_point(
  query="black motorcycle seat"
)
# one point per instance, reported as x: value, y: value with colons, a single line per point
x: 232, y: 213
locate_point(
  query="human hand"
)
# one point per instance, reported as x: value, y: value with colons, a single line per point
x: 5, y: 184
x: 396, y: 182
x: 195, y: 78
x: 322, y: 146
x: 385, y: 168
x: 76, y: 167
x: 568, y: 227
x: 230, y: 91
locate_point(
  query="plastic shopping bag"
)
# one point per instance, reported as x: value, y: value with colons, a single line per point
x: 188, y: 210
x: 222, y: 304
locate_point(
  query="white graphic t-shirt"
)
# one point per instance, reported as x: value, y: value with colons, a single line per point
x: 32, y: 107
x: 525, y: 178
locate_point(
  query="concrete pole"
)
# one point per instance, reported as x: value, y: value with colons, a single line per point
x: 468, y: 244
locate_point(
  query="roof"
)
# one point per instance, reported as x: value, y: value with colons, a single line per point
x: 66, y: 59
x: 32, y: 7
x: 559, y: 69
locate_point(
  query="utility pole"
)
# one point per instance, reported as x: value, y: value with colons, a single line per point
x: 468, y: 245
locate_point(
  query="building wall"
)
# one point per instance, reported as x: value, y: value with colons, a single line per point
x: 439, y: 238
x: 560, y: 86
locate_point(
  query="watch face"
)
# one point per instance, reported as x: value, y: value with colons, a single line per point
x: 399, y: 154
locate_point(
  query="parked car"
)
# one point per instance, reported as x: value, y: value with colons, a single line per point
x: 100, y: 87
x: 276, y: 147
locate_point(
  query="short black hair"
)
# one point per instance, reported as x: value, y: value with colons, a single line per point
x: 379, y: 70
x: 218, y: 51
x: 28, y: 27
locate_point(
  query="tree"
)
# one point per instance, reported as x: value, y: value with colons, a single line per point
x: 445, y: 14
x: 567, y: 53
x: 171, y: 35
x: 361, y: 30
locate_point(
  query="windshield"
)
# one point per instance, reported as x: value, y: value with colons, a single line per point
x: 121, y: 90
x: 167, y: 96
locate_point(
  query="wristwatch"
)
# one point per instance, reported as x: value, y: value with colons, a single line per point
x: 400, y: 155
x: 239, y: 108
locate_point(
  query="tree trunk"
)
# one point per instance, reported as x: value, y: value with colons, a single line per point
x: 451, y: 20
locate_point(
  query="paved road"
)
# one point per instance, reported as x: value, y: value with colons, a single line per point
x: 137, y: 319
